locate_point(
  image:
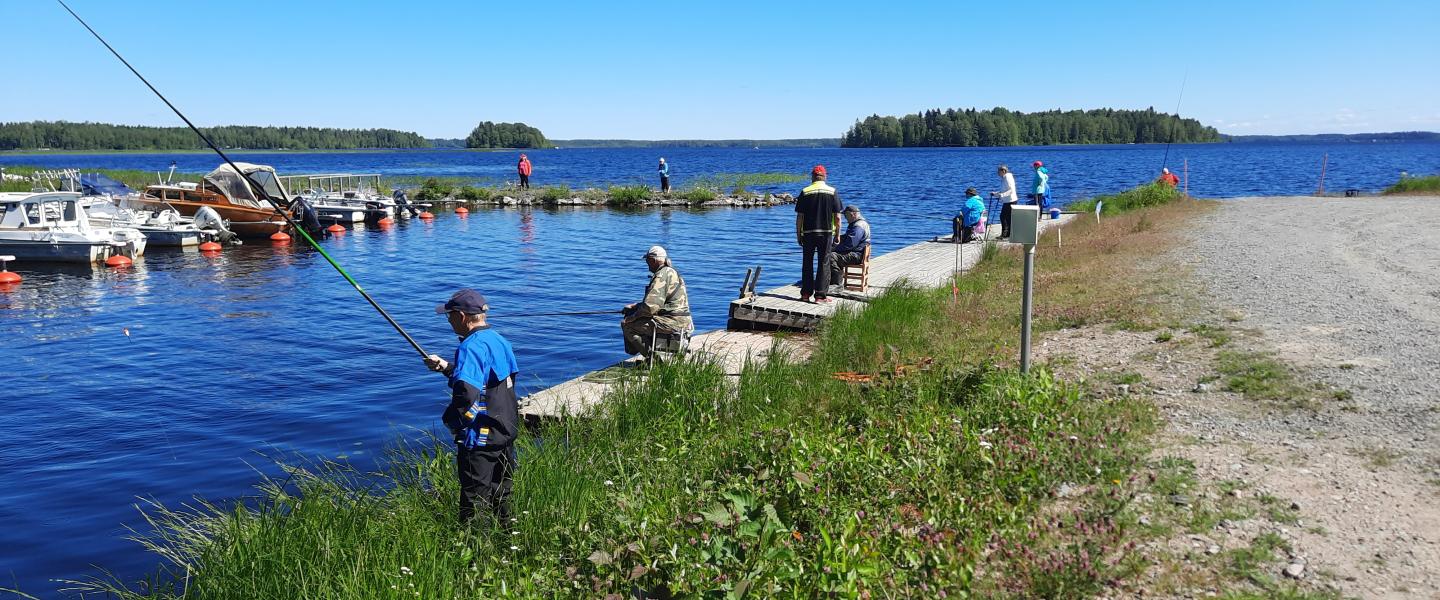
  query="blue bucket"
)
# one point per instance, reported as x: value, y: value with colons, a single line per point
x: 1054, y: 213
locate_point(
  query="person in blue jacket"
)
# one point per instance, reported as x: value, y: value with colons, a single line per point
x: 1040, y: 187
x: 664, y: 176
x: 483, y: 415
x: 970, y: 215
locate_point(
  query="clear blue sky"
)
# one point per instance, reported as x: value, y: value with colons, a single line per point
x: 723, y: 69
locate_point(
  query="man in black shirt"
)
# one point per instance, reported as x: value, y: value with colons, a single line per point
x: 817, y: 225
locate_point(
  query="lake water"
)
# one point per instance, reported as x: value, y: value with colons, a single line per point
x: 265, y: 351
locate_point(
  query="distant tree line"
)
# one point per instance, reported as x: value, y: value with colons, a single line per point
x: 506, y: 135
x: 1001, y: 127
x: 1352, y: 138
x: 785, y: 143
x: 62, y: 135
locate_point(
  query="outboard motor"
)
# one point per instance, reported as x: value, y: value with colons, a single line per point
x: 403, y: 202
x: 207, y: 218
x: 309, y: 218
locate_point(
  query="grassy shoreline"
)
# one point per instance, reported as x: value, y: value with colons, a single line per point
x: 947, y: 472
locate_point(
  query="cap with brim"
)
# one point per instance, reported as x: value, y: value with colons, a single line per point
x: 467, y: 301
x: 656, y: 252
x: 852, y: 209
x: 818, y: 170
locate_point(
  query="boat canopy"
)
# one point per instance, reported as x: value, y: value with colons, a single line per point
x: 240, y: 192
x: 95, y: 184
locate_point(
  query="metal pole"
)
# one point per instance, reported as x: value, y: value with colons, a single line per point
x: 1025, y: 308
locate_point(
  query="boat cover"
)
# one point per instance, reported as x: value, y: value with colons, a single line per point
x: 95, y: 184
x: 240, y: 192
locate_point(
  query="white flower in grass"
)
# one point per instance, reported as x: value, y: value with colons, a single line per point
x: 985, y: 444
x: 608, y: 482
x: 514, y: 547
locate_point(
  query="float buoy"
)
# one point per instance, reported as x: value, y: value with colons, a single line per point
x: 118, y: 260
x: 385, y: 222
x: 210, y: 247
x: 462, y: 211
x: 427, y: 215
x: 336, y: 228
x: 7, y: 277
x: 280, y: 236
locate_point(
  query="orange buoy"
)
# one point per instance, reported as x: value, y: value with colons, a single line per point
x: 210, y: 247
x: 385, y: 221
x: 280, y: 236
x: 462, y: 211
x: 427, y: 215
x: 336, y: 228
x: 7, y: 277
x: 118, y: 260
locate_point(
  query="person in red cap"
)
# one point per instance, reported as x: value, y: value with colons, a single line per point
x: 817, y: 227
x: 524, y: 169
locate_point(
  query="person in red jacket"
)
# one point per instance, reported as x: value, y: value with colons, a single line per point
x: 524, y: 169
x: 1169, y: 178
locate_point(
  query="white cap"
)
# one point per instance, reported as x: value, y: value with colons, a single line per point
x: 656, y: 252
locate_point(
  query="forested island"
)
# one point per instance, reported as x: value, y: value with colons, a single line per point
x: 1001, y: 127
x: 506, y: 135
x: 63, y: 135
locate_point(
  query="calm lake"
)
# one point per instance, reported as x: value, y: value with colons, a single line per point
x: 264, y: 352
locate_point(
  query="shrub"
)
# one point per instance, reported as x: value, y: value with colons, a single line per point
x: 476, y: 194
x: 629, y: 195
x: 1410, y: 184
x: 1150, y: 194
x: 552, y: 194
x: 698, y: 195
x: 433, y: 189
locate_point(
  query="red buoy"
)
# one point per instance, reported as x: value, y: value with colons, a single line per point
x: 385, y: 221
x: 427, y: 215
x: 118, y: 260
x: 462, y: 211
x: 7, y: 277
x: 336, y: 228
x: 210, y: 247
x: 280, y: 237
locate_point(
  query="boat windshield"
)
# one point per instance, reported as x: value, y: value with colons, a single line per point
x: 51, y: 212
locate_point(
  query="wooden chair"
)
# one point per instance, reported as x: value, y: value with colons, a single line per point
x: 857, y: 277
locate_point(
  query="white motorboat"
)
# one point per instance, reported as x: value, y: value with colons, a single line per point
x: 110, y: 204
x: 343, y: 197
x: 53, y: 226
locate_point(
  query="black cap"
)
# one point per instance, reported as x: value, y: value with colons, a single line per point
x: 851, y: 208
x: 467, y: 301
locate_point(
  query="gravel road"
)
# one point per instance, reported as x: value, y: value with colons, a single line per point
x: 1348, y: 288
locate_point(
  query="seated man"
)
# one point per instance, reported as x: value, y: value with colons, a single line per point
x: 661, y: 321
x: 851, y: 249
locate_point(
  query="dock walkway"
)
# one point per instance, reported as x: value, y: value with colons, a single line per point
x: 928, y: 264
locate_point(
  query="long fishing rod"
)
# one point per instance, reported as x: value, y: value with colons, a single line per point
x: 288, y: 220
x: 1166, y: 162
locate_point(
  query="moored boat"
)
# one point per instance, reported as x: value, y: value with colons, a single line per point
x: 241, y: 204
x: 54, y: 227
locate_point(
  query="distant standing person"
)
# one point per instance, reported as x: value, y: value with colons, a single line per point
x: 524, y: 169
x: 1168, y: 178
x: 483, y: 415
x: 664, y: 176
x: 1041, y: 187
x: 817, y: 223
x: 1007, y: 197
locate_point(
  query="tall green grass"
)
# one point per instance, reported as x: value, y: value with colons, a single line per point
x: 629, y: 195
x: 1411, y: 184
x: 1150, y: 194
x: 740, y: 183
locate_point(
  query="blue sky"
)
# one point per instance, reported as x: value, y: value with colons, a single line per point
x: 734, y: 69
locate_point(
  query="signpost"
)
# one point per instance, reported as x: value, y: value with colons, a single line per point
x: 1025, y: 229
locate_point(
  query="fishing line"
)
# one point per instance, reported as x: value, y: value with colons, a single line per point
x: 1166, y: 162
x: 293, y: 225
x: 557, y: 314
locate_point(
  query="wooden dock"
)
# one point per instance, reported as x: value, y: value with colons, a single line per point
x: 927, y: 264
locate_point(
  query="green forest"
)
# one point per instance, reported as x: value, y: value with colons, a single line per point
x: 506, y: 135
x: 1001, y: 127
x: 62, y: 135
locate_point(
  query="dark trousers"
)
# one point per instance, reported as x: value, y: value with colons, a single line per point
x: 485, y: 481
x: 664, y: 183
x: 1040, y: 202
x: 815, y: 271
x: 962, y: 234
x: 1005, y: 219
x: 524, y: 181
x: 839, y: 259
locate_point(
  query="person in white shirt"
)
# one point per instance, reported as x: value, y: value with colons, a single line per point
x: 1007, y: 198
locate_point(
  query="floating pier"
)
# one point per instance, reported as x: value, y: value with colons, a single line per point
x: 926, y: 264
